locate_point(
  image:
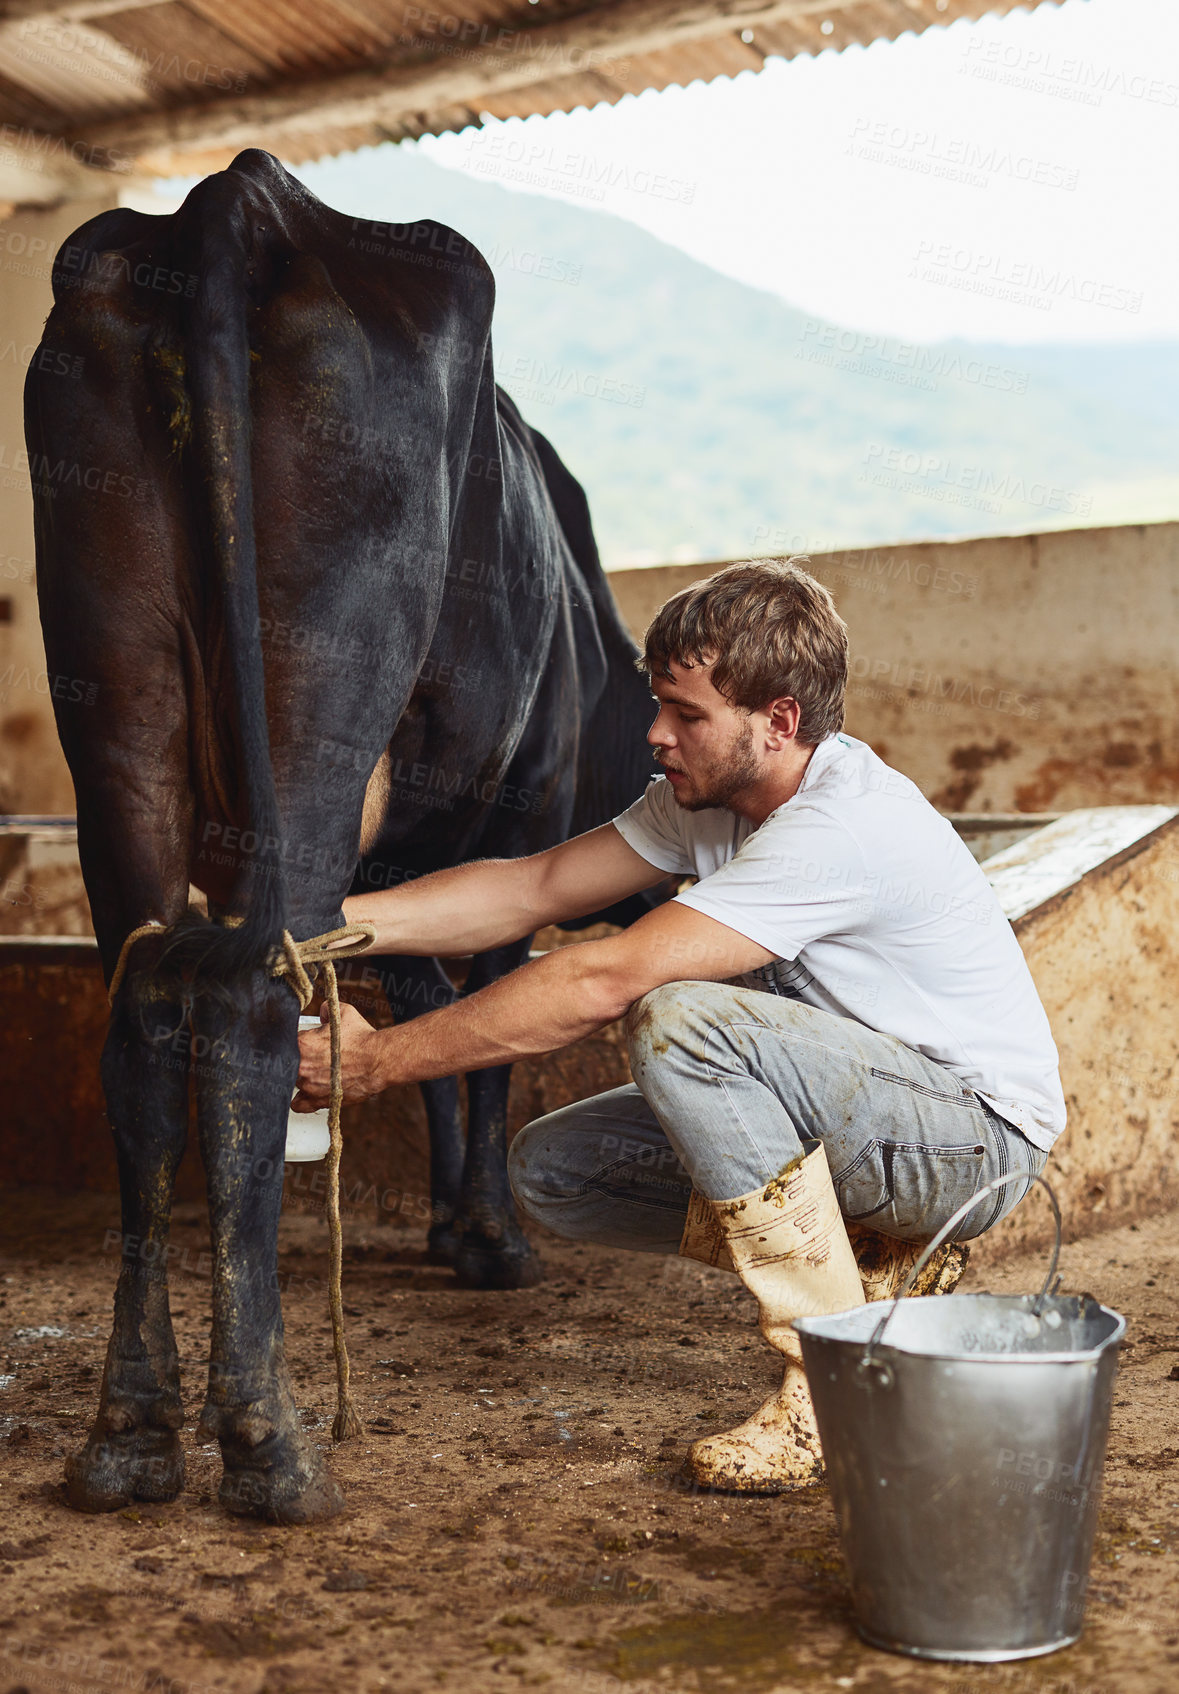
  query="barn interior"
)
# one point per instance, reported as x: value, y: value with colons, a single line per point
x: 517, y: 1509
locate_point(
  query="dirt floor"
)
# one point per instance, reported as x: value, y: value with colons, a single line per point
x: 515, y: 1518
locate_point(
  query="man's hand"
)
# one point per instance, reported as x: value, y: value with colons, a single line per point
x: 360, y: 1062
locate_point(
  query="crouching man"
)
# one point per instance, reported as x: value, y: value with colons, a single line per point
x: 833, y: 1035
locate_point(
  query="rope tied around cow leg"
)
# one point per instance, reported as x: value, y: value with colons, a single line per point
x: 292, y: 965
x: 120, y: 970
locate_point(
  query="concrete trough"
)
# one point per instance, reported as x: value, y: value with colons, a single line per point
x: 1093, y: 896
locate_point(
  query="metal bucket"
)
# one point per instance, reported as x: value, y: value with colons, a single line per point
x: 964, y: 1457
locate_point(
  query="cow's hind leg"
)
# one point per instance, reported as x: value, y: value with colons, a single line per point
x: 493, y: 1251
x: 413, y: 986
x: 133, y: 1451
x: 444, y: 1118
x: 245, y: 1083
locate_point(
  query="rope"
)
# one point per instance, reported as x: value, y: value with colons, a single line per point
x: 347, y: 1420
x: 121, y: 965
x: 292, y: 966
x: 319, y: 950
x: 296, y: 956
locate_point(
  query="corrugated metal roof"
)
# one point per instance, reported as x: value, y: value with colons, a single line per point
x: 169, y: 86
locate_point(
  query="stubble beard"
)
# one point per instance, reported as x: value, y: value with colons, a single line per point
x: 726, y: 778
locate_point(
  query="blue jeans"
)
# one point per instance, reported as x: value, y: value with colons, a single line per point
x: 730, y: 1085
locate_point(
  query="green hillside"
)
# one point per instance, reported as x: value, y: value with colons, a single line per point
x: 707, y: 419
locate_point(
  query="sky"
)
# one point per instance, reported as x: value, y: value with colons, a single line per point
x: 1011, y: 179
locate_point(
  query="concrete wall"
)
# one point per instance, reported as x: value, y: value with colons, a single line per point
x: 1020, y: 673
x: 33, y: 774
x: 41, y: 888
x: 1104, y: 954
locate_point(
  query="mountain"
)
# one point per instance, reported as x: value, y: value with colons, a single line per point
x: 707, y: 419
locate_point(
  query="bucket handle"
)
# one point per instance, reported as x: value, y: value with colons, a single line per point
x: 882, y: 1372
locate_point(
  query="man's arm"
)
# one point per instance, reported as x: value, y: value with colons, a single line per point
x: 547, y: 1003
x: 475, y: 907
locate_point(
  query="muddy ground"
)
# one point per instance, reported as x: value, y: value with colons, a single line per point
x: 515, y: 1518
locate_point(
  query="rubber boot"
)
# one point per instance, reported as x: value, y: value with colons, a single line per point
x: 703, y: 1237
x: 790, y: 1249
x: 885, y: 1263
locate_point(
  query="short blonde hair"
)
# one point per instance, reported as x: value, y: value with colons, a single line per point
x: 768, y: 629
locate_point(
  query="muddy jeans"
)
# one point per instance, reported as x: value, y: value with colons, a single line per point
x: 733, y: 1083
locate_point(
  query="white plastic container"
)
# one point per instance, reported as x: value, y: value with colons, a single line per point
x: 308, y: 1135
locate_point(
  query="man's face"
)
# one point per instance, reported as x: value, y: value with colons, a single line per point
x: 704, y: 745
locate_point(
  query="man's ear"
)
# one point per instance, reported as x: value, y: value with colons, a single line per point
x: 785, y: 715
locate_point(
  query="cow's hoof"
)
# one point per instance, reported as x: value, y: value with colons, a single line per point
x: 112, y: 1470
x: 282, y: 1480
x: 502, y: 1261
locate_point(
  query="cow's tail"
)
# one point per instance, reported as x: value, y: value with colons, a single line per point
x: 214, y: 957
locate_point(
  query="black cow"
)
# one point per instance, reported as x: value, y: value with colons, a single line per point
x: 301, y: 551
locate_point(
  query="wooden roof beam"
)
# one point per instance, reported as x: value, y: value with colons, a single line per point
x: 465, y: 72
x: 74, y: 11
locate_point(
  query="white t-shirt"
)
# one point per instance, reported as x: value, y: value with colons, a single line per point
x: 877, y: 912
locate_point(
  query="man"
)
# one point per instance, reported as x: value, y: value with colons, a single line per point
x: 835, y: 1023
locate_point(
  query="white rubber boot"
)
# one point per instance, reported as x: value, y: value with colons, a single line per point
x: 703, y: 1237
x: 883, y: 1261
x: 884, y: 1264
x: 790, y: 1249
